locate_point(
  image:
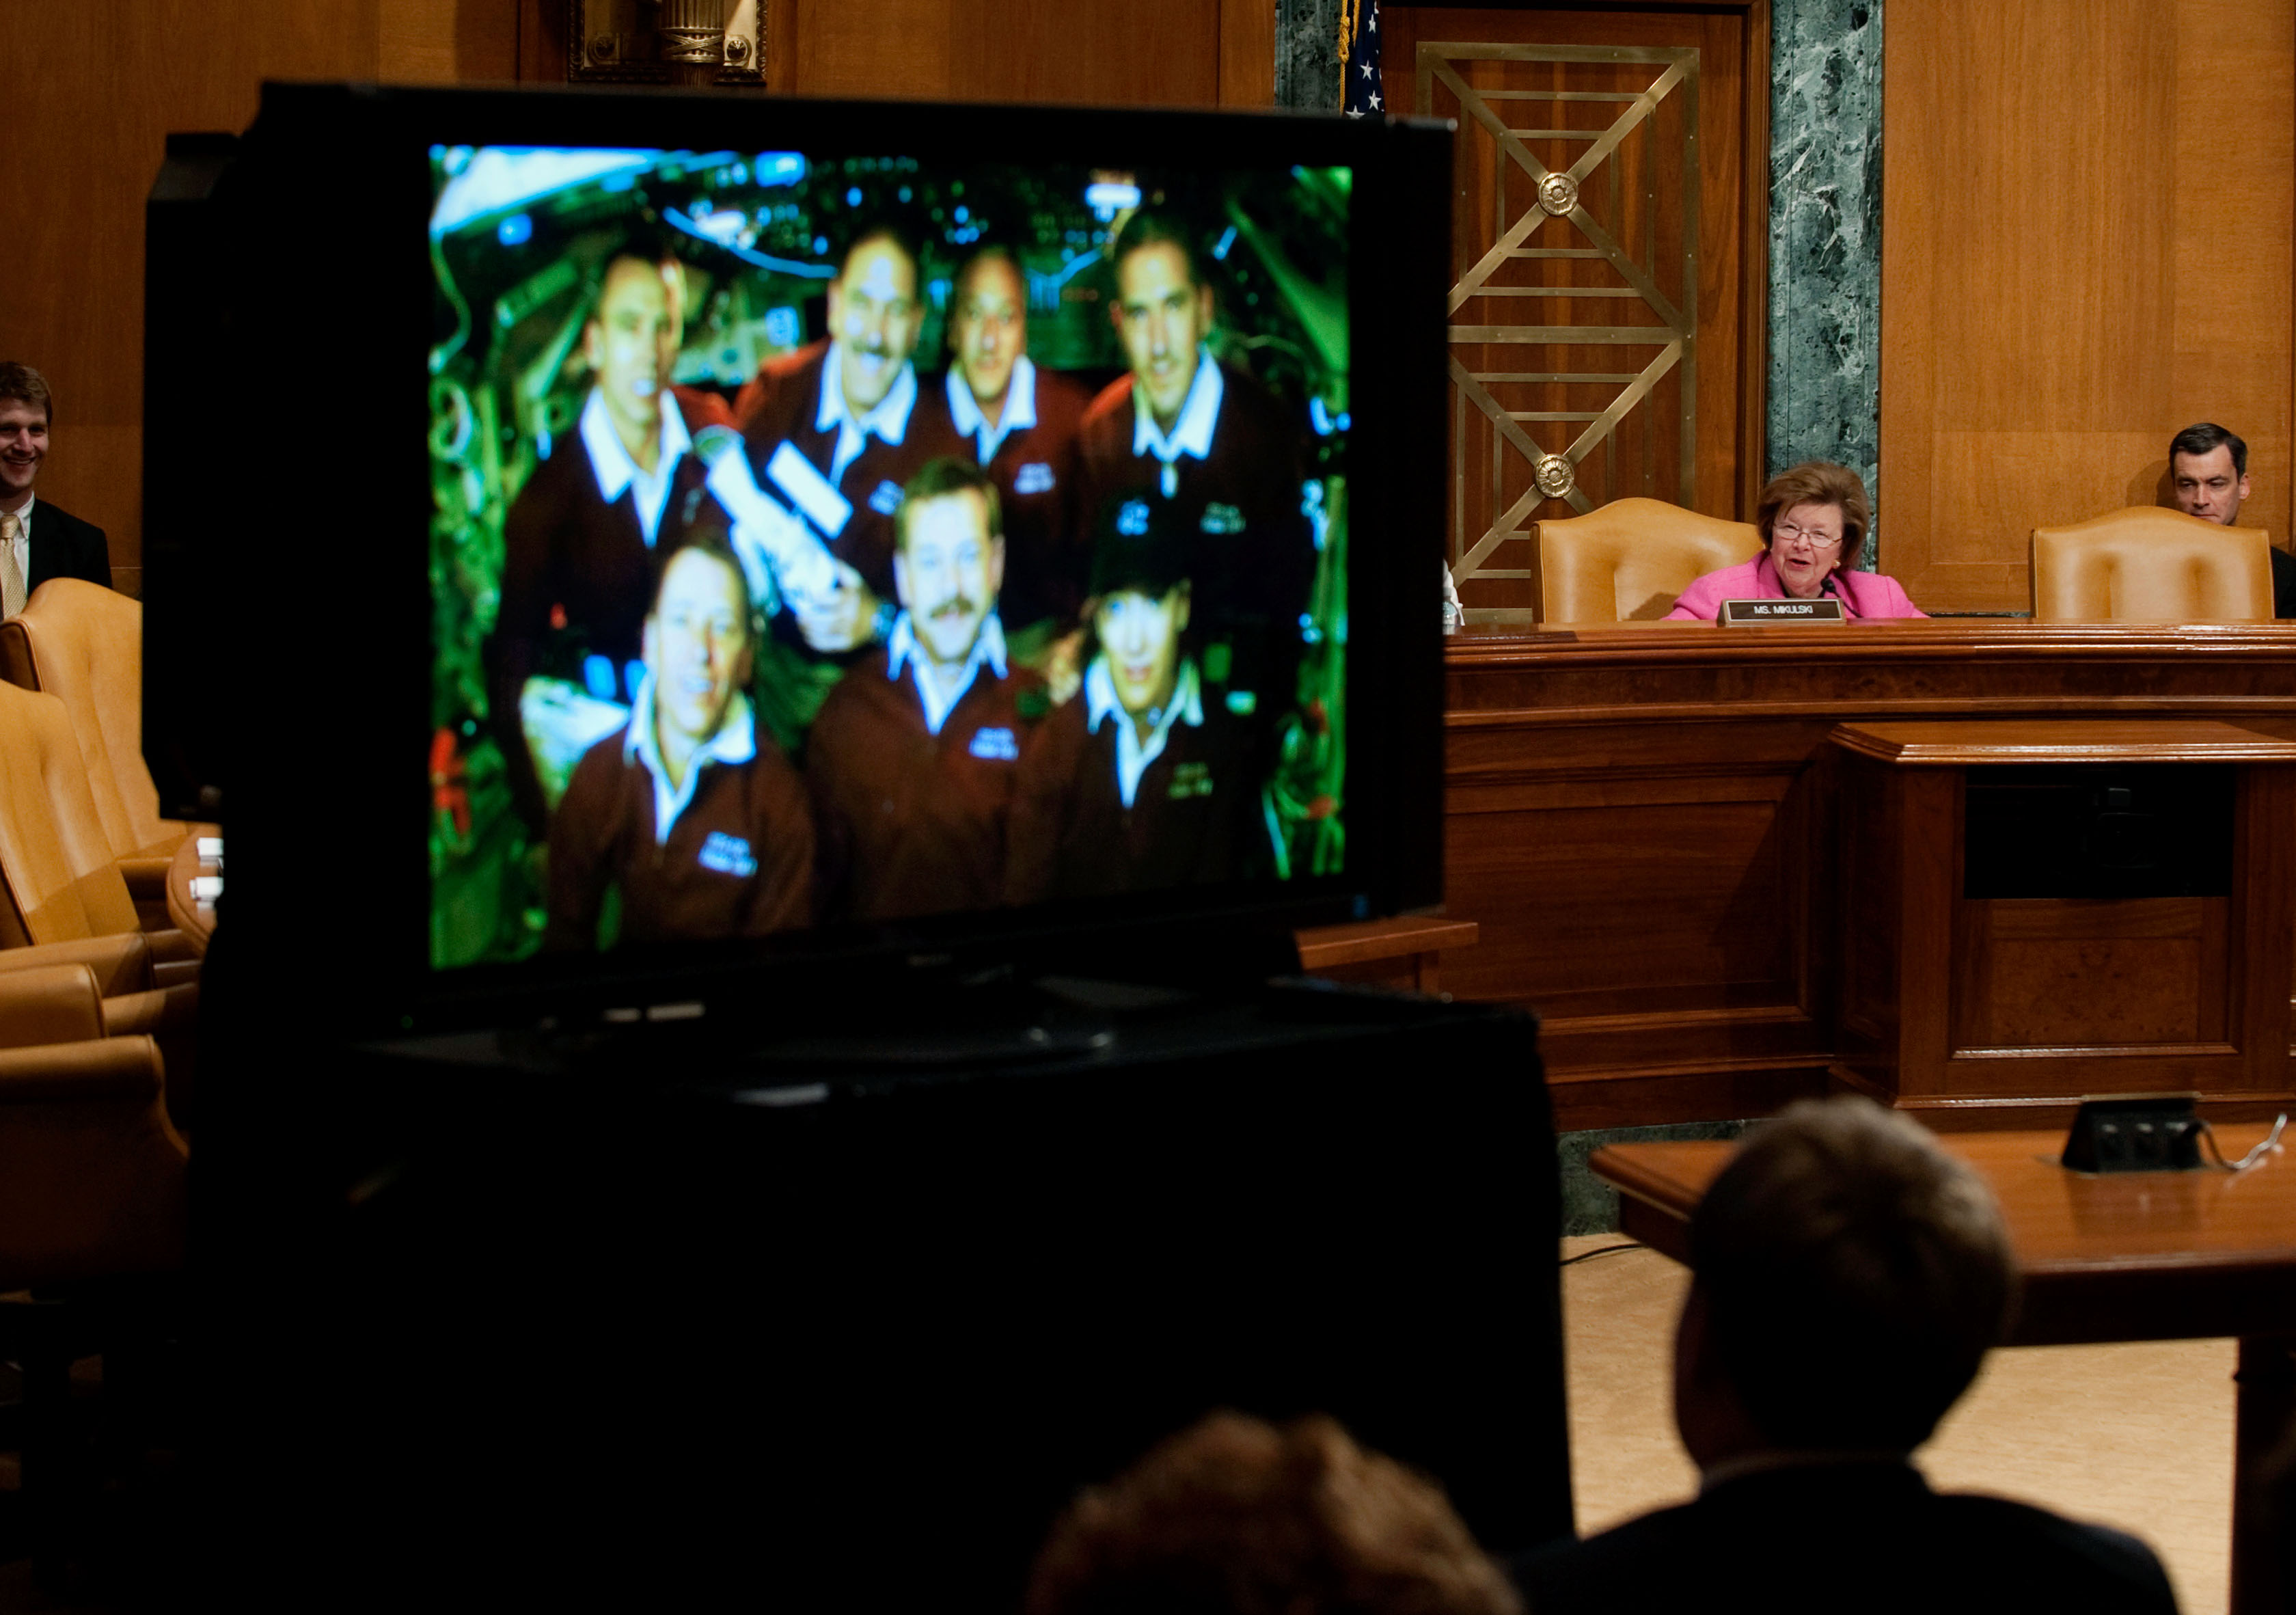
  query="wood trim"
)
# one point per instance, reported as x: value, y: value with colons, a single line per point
x: 1325, y: 946
x: 1247, y: 53
x: 2074, y: 740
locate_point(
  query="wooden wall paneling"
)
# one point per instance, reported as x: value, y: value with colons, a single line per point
x: 2064, y: 285
x: 1247, y: 53
x: 417, y: 41
x: 95, y: 88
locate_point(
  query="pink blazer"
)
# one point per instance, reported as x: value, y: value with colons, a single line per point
x: 1864, y: 596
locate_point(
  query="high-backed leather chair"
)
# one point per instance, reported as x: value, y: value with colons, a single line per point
x: 2145, y: 564
x: 1627, y: 562
x: 62, y: 899
x: 83, y: 645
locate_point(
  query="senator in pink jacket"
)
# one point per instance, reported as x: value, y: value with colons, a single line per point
x: 1813, y: 519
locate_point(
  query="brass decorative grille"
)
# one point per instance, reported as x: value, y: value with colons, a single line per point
x: 1618, y: 223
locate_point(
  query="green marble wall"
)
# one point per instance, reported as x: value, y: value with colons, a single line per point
x: 1307, y: 54
x: 1825, y: 238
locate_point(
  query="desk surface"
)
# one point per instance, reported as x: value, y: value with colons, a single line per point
x: 2120, y: 1256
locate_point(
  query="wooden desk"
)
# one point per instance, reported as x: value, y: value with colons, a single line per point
x: 1643, y: 822
x: 1405, y: 953
x: 2152, y: 1256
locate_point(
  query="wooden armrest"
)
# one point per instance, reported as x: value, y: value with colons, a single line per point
x: 122, y: 964
x: 50, y: 1004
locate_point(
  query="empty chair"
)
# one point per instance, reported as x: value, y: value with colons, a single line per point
x: 2144, y: 564
x: 84, y: 645
x: 1627, y: 562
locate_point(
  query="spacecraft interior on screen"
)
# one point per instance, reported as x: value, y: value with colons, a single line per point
x: 839, y: 538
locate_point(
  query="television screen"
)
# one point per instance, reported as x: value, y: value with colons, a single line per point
x: 837, y: 535
x: 844, y: 529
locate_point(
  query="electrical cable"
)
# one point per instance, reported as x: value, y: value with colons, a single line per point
x: 2271, y: 1142
x: 1588, y: 1256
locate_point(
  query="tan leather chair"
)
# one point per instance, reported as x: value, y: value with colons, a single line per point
x: 85, y: 644
x: 62, y: 899
x: 2145, y: 564
x: 1627, y: 561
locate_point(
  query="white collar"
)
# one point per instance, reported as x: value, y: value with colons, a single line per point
x: 888, y: 418
x: 616, y: 471
x: 902, y: 647
x: 1192, y: 434
x: 735, y: 742
x: 1133, y: 754
x: 1020, y: 407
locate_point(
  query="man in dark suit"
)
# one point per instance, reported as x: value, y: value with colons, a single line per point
x: 38, y: 541
x: 2208, y: 471
x: 1847, y: 1278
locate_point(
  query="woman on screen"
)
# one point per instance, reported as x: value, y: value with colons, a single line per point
x: 1813, y: 519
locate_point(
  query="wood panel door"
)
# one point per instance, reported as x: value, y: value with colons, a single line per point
x: 1606, y: 316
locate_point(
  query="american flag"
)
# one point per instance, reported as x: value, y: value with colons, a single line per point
x: 1360, y: 89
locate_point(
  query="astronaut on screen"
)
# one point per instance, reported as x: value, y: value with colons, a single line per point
x: 685, y: 823
x: 1145, y: 781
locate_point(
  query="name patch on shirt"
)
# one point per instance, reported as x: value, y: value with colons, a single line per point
x: 1222, y: 519
x: 1034, y: 478
x: 728, y: 854
x: 995, y: 745
x: 1191, y: 779
x: 887, y: 499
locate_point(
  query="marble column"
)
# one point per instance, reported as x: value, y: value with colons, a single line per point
x: 1825, y: 238
x: 1307, y: 54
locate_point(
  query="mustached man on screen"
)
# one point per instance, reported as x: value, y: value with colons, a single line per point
x: 2208, y: 472
x: 914, y: 762
x: 698, y: 822
x: 1186, y: 429
x: 1021, y: 423
x: 1144, y: 783
x: 831, y: 432
x: 38, y: 541
x: 586, y: 531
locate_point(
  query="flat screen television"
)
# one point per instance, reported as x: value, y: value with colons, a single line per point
x: 696, y: 541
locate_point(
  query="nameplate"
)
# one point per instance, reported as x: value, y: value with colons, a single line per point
x: 1747, y: 613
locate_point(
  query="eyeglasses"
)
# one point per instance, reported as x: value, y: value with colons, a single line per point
x: 1784, y: 533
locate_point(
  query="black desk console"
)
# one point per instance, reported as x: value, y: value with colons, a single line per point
x: 841, y: 1321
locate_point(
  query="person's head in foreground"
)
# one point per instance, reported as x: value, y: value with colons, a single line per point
x: 1813, y: 519
x: 1141, y: 602
x: 1848, y: 1277
x: 1163, y: 312
x: 2208, y: 469
x: 1240, y: 1517
x: 948, y: 558
x: 698, y: 646
x: 875, y: 314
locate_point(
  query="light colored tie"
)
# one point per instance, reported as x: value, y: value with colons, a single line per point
x: 12, y: 575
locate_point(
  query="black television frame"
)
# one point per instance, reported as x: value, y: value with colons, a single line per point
x: 282, y: 594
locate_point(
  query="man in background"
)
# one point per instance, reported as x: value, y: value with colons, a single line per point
x: 38, y: 540
x: 1190, y: 431
x: 832, y: 433
x: 1847, y: 1278
x: 581, y: 542
x: 1143, y: 783
x: 698, y: 824
x: 913, y: 763
x: 2208, y: 471
x: 1021, y: 423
